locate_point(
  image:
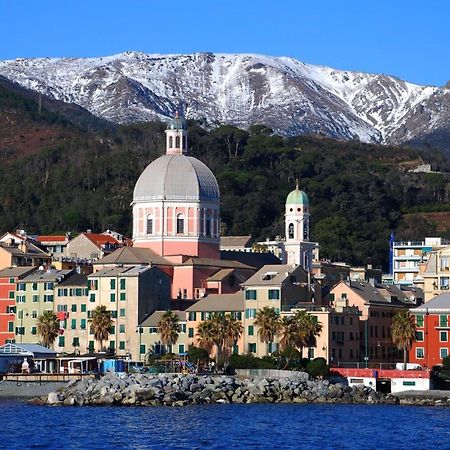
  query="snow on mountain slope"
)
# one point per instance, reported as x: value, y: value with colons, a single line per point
x: 241, y: 89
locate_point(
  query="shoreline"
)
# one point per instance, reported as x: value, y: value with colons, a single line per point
x: 28, y: 390
x: 181, y: 390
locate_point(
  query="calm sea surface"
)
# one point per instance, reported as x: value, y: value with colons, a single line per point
x: 224, y: 426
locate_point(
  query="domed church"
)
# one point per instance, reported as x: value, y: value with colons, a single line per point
x: 176, y: 202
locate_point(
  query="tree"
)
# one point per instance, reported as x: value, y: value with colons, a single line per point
x: 101, y: 324
x: 268, y: 322
x: 299, y: 330
x: 219, y: 331
x: 48, y: 327
x: 169, y: 328
x: 317, y: 368
x: 403, y: 332
x: 232, y: 331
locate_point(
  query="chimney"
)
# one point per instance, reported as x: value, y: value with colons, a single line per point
x: 23, y: 246
x: 89, y: 231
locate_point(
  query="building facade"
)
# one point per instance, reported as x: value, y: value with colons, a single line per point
x: 432, y: 342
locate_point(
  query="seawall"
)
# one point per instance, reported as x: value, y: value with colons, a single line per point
x: 179, y: 390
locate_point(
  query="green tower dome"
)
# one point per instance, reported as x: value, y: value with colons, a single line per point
x: 297, y: 197
x: 177, y: 123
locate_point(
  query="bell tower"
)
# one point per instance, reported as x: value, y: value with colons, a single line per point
x: 298, y: 249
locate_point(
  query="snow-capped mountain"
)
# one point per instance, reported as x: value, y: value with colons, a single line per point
x: 241, y: 89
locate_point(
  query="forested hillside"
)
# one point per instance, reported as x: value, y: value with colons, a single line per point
x: 72, y: 176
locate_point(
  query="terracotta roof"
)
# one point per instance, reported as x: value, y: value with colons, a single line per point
x: 153, y: 320
x: 52, y: 239
x: 133, y: 255
x: 219, y: 303
x: 101, y: 239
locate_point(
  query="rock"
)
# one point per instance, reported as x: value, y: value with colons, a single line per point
x: 53, y: 398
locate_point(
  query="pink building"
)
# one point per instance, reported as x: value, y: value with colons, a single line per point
x: 176, y: 224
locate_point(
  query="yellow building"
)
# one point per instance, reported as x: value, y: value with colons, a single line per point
x: 35, y: 294
x: 434, y: 278
x: 280, y: 287
x: 131, y: 294
x: 150, y: 338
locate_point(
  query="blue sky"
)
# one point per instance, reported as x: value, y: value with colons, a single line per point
x: 409, y: 39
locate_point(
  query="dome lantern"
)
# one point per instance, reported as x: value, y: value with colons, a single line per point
x: 176, y: 136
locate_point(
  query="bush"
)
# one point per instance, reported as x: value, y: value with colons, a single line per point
x: 249, y: 361
x: 446, y: 363
x: 318, y: 367
x: 197, y: 354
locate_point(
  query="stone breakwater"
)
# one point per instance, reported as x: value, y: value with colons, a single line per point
x: 180, y: 390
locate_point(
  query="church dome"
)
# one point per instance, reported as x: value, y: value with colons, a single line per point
x: 297, y: 197
x: 177, y: 123
x: 176, y: 177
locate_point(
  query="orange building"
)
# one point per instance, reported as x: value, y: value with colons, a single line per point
x: 8, y: 280
x: 432, y: 335
x: 378, y: 304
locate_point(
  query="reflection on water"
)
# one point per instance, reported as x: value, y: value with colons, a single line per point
x: 224, y: 426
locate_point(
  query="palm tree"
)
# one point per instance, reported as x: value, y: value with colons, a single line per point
x: 220, y: 331
x: 233, y: 331
x: 299, y: 330
x: 269, y: 325
x: 48, y: 327
x: 169, y: 328
x: 403, y: 333
x: 101, y: 324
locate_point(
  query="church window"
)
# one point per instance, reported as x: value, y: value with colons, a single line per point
x: 180, y: 224
x: 149, y: 224
x: 177, y: 142
x: 208, y: 226
x: 291, y: 231
x: 170, y: 142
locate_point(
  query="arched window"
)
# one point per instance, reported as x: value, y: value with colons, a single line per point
x: 170, y: 142
x: 149, y: 224
x: 291, y: 231
x: 208, y: 225
x: 177, y: 142
x: 180, y: 224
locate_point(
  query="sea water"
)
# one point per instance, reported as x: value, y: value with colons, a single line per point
x: 274, y: 426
